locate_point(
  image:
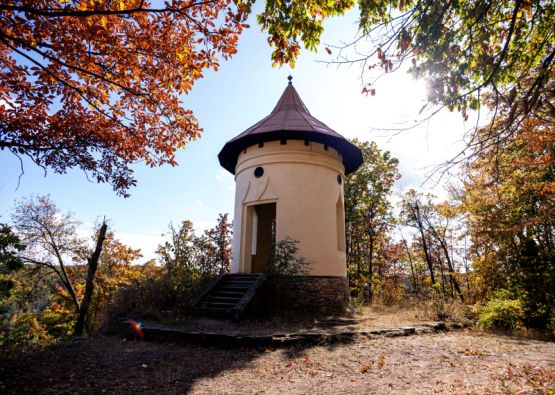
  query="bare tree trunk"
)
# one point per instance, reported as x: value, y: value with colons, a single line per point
x: 442, y: 275
x: 427, y: 255
x: 89, y: 287
x: 370, y: 265
x: 452, y: 273
x: 50, y: 239
x: 450, y: 267
x: 420, y: 226
x: 414, y: 283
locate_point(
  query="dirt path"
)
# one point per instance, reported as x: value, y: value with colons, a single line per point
x: 456, y: 362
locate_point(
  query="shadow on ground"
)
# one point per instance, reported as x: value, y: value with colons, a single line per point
x: 110, y: 364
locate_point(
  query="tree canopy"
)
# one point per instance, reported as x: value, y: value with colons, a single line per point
x: 368, y: 214
x: 507, y: 194
x: 95, y: 85
x: 460, y: 47
x: 10, y: 246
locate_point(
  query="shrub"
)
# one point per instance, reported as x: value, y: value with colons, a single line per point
x: 284, y: 270
x: 435, y: 306
x: 357, y: 302
x: 26, y: 334
x: 148, y: 298
x: 145, y: 299
x: 501, y: 312
x: 282, y: 264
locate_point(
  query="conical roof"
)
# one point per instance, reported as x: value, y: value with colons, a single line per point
x: 290, y: 120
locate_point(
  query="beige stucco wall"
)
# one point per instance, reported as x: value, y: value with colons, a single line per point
x: 302, y: 181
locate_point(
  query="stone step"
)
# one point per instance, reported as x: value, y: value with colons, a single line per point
x: 242, y: 280
x: 228, y: 294
x: 233, y: 288
x: 223, y: 299
x: 238, y: 284
x: 214, y: 309
x: 220, y: 305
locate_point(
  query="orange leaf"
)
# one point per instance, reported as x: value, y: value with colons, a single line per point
x: 328, y: 51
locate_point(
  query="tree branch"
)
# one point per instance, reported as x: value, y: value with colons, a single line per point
x: 57, y: 13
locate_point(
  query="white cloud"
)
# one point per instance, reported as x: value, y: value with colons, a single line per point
x: 219, y: 178
x: 201, y: 226
x: 231, y: 187
x: 199, y: 202
x: 84, y: 233
x: 147, y: 243
x: 224, y: 173
x: 59, y: 216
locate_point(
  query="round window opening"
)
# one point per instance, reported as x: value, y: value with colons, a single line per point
x: 258, y: 172
x: 339, y: 179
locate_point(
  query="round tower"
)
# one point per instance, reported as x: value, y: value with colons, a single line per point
x: 289, y: 171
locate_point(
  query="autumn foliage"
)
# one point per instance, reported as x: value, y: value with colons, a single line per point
x: 62, y: 291
x: 95, y: 85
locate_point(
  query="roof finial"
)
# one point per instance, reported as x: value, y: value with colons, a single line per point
x: 289, y: 78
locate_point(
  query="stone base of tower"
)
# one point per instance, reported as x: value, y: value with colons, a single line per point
x: 320, y: 295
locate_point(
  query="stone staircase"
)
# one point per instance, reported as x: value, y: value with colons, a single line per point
x: 227, y: 296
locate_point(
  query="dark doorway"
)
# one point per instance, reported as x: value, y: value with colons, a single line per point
x: 264, y: 235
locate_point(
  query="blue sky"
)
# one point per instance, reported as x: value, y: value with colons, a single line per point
x: 243, y: 91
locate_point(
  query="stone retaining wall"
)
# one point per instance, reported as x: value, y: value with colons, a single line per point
x: 316, y: 294
x: 230, y: 340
